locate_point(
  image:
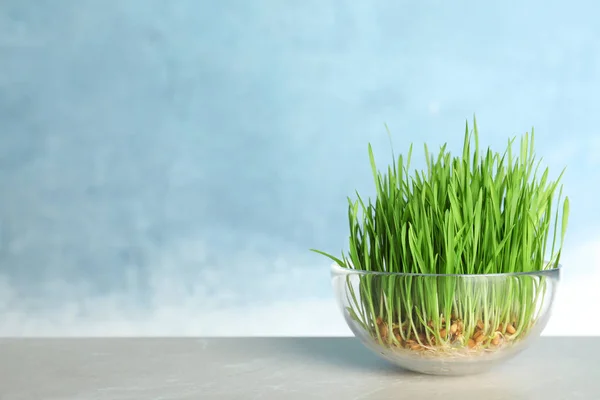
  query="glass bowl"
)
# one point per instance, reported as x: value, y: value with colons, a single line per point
x: 445, y: 324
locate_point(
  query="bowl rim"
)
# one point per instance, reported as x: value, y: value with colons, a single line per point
x: 338, y: 270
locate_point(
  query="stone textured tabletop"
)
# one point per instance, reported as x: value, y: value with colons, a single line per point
x: 276, y: 368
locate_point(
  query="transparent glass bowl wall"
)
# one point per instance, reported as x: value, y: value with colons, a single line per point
x: 445, y: 324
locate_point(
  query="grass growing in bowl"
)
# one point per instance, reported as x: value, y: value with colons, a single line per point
x: 487, y: 215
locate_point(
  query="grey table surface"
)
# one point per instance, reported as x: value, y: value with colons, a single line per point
x: 277, y: 368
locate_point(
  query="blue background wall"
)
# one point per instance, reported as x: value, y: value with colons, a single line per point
x: 165, y: 165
